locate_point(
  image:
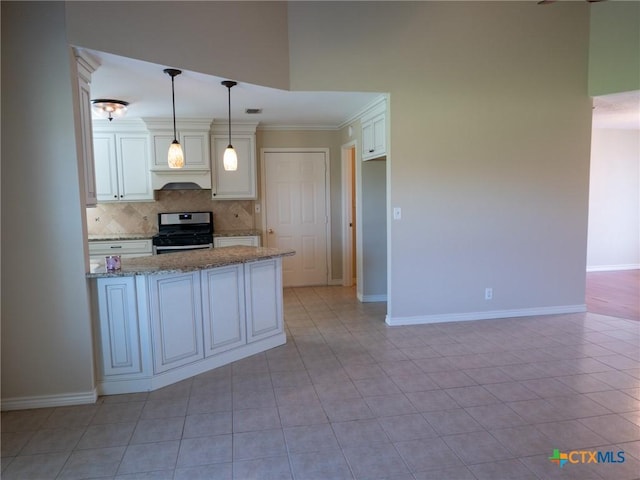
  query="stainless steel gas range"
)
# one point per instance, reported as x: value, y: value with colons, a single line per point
x: 181, y: 231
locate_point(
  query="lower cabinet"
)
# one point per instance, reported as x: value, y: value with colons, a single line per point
x: 119, y: 348
x: 176, y: 320
x: 264, y: 309
x: 223, y: 309
x: 155, y: 330
x: 248, y: 240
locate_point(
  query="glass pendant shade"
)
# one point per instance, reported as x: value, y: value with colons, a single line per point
x: 175, y: 157
x: 230, y: 159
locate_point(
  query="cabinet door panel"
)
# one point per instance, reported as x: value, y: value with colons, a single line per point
x: 104, y: 152
x: 263, y: 287
x: 223, y: 309
x: 176, y: 319
x: 249, y: 240
x: 133, y: 155
x: 196, y: 150
x: 160, y: 145
x: 240, y: 184
x: 119, y: 336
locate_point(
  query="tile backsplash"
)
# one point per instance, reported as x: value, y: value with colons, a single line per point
x: 142, y: 217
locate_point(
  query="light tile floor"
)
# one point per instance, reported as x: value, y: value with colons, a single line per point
x: 348, y: 397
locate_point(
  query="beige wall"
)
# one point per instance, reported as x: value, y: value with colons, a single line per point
x: 242, y: 40
x: 489, y: 159
x: 46, y: 326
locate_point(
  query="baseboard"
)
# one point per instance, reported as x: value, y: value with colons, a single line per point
x: 43, y: 401
x: 335, y: 281
x: 464, y: 317
x: 613, y: 268
x: 372, y: 298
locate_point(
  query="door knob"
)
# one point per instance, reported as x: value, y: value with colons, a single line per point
x: 270, y: 230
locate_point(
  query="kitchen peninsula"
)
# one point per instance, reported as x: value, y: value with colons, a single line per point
x: 164, y: 318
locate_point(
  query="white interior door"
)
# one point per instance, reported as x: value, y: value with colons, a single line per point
x: 296, y: 213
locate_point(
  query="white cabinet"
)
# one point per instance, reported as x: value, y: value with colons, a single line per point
x: 240, y: 184
x: 85, y: 66
x: 263, y: 282
x: 374, y: 132
x: 119, y: 338
x: 223, y: 309
x: 175, y: 311
x: 195, y: 147
x: 122, y: 167
x: 194, y: 137
x: 247, y: 240
x: 125, y: 248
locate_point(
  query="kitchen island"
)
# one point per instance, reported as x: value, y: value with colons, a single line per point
x: 165, y: 318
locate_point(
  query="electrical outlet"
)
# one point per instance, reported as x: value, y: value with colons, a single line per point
x: 397, y: 213
x: 488, y: 293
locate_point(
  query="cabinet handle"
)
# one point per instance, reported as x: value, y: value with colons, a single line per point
x: 115, y: 196
x: 372, y: 150
x: 270, y: 230
x: 115, y: 246
x: 215, y: 194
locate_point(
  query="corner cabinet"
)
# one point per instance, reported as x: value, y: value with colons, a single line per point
x: 158, y: 329
x: 122, y: 165
x: 374, y: 132
x: 242, y: 183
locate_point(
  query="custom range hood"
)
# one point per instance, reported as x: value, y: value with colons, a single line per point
x: 194, y: 136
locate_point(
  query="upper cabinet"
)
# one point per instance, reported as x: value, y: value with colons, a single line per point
x: 374, y: 132
x: 193, y: 135
x: 240, y: 184
x: 122, y: 163
x: 85, y: 66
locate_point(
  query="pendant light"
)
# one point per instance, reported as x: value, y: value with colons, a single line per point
x: 175, y: 158
x: 230, y: 158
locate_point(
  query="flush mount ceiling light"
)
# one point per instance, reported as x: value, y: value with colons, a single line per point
x: 230, y: 158
x: 108, y: 108
x: 175, y: 157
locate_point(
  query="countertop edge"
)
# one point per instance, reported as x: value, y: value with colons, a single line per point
x: 200, y: 261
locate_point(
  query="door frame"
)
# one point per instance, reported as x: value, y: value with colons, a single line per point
x: 327, y: 194
x: 348, y: 225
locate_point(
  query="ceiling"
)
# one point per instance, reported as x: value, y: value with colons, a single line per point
x: 619, y: 110
x: 148, y: 90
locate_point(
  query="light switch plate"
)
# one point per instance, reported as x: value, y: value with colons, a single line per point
x: 397, y: 213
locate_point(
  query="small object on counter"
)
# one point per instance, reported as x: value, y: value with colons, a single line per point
x: 112, y: 263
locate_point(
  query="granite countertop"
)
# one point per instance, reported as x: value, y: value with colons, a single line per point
x: 116, y: 237
x: 190, y: 261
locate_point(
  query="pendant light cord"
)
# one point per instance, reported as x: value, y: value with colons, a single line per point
x: 173, y: 101
x: 229, y: 97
